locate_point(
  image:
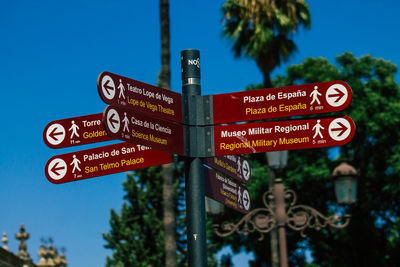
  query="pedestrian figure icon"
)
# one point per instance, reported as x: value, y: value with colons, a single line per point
x: 314, y: 94
x: 74, y: 128
x: 75, y: 162
x: 317, y: 128
x: 239, y: 168
x: 121, y: 89
x: 126, y: 122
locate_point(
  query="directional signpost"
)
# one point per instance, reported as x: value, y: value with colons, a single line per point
x: 189, y: 126
x: 226, y: 191
x: 102, y: 161
x: 144, y: 129
x: 75, y: 131
x: 234, y: 166
x: 124, y: 92
x: 281, y: 102
x: 282, y: 135
x: 195, y: 127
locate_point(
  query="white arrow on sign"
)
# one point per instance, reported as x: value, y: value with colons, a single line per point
x: 336, y: 95
x: 55, y: 134
x: 113, y: 120
x: 108, y: 87
x: 339, y: 129
x: 246, y: 170
x: 246, y: 199
x: 57, y: 169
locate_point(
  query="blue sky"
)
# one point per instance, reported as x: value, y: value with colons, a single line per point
x: 51, y: 53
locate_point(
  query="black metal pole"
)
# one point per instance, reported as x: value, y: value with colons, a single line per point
x: 194, y: 179
x: 281, y: 219
x: 274, y: 232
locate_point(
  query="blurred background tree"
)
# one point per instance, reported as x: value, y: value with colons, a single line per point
x: 372, y: 238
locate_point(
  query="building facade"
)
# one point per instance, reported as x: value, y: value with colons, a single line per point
x: 49, y: 256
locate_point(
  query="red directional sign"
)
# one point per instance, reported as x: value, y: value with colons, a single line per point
x: 102, y: 161
x: 281, y: 102
x: 124, y: 92
x: 226, y: 191
x: 234, y: 166
x: 139, y: 128
x: 282, y: 135
x: 75, y: 131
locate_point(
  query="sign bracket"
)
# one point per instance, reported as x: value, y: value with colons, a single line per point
x: 199, y: 141
x: 197, y: 109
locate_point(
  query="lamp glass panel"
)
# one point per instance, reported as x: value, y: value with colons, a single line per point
x: 213, y: 207
x: 346, y: 189
x: 273, y: 159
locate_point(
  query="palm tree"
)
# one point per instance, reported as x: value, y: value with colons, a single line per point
x: 262, y: 30
x: 164, y: 81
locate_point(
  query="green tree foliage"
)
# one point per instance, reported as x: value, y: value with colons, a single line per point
x: 262, y: 30
x: 136, y: 235
x: 374, y: 151
x: 372, y: 238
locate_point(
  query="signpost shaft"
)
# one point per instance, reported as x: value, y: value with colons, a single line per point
x: 194, y: 180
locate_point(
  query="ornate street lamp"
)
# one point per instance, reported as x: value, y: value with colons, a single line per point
x: 345, y: 183
x: 276, y: 215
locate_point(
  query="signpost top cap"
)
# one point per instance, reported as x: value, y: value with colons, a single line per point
x: 190, y: 62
